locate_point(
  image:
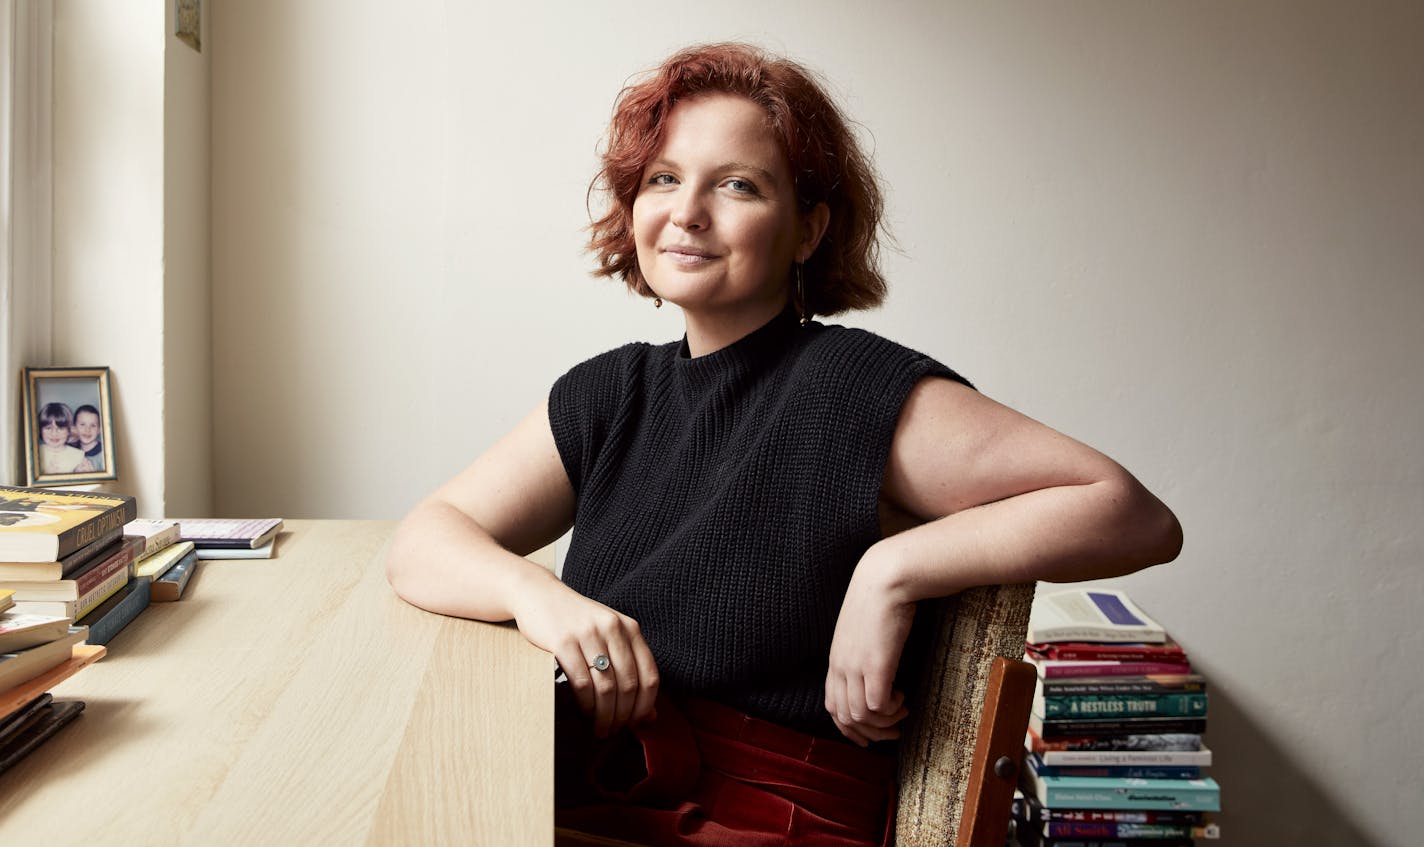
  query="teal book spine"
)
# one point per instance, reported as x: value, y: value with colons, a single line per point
x: 1126, y: 705
x: 1066, y: 792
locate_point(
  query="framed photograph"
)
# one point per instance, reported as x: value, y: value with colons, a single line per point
x: 69, y: 426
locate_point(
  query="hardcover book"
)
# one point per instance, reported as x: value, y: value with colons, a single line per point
x: 39, y: 525
x: 1120, y: 706
x: 1091, y: 614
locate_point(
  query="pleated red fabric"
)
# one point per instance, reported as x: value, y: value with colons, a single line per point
x: 709, y: 775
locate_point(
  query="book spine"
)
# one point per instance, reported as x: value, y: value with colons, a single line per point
x: 121, y: 559
x: 1129, y: 726
x: 1133, y: 743
x: 1055, y: 671
x: 169, y: 587
x: 1100, y: 652
x: 1131, y: 798
x: 134, y: 601
x: 1163, y: 758
x: 1123, y: 772
x: 72, y: 539
x: 86, y: 554
x: 100, y: 593
x: 1071, y: 829
x: 1151, y: 817
x: 1150, y: 686
x: 153, y: 543
x: 1126, y: 705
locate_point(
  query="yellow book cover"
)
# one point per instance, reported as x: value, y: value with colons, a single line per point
x: 158, y: 564
x: 40, y: 525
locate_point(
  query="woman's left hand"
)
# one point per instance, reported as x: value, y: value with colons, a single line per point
x: 865, y: 651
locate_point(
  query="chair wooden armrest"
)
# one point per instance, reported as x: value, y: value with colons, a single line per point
x: 963, y: 743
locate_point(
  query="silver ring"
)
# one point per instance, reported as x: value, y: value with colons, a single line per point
x: 600, y: 662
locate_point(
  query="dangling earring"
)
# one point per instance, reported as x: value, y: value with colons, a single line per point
x: 657, y: 302
x: 801, y: 297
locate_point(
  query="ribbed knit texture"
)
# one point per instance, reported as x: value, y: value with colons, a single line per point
x: 724, y: 501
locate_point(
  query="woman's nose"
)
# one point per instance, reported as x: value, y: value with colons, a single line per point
x: 689, y: 211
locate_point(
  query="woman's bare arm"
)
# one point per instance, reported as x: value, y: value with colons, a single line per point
x: 460, y: 552
x: 1005, y: 499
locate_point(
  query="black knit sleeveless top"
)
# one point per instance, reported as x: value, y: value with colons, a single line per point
x: 723, y: 501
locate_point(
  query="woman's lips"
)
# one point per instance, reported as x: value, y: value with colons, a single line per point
x: 688, y: 256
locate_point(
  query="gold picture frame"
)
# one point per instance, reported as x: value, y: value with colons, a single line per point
x: 54, y: 401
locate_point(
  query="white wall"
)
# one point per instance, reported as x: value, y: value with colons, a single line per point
x: 1185, y: 233
x: 131, y: 278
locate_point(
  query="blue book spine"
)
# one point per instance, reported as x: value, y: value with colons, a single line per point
x: 1067, y: 792
x: 1033, y: 760
x: 106, y: 621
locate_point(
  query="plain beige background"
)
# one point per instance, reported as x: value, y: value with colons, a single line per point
x: 1186, y: 233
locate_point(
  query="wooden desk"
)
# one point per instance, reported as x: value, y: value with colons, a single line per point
x: 297, y: 701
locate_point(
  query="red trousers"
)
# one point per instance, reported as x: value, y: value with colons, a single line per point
x: 706, y: 774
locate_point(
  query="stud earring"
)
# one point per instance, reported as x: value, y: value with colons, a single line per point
x: 657, y: 302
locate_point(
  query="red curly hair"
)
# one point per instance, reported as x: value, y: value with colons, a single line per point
x: 826, y: 161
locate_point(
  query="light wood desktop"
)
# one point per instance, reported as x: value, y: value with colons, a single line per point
x: 297, y: 701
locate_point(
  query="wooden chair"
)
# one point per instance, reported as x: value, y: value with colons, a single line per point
x: 975, y: 696
x: 963, y: 744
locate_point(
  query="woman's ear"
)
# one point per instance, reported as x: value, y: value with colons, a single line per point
x: 813, y: 229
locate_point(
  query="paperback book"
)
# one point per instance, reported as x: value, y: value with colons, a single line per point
x: 238, y: 533
x: 21, y: 631
x: 117, y: 612
x: 1091, y: 614
x: 1051, y: 729
x: 153, y: 533
x: 1066, y: 792
x: 38, y: 571
x: 40, y: 525
x: 24, y: 665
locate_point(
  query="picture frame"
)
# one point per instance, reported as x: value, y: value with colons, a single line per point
x: 68, y: 426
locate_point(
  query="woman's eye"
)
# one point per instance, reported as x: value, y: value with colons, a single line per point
x: 741, y: 186
x: 661, y: 179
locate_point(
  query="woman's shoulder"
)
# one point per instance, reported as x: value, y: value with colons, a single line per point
x: 859, y: 354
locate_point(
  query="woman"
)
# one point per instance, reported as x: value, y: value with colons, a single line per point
x: 732, y: 493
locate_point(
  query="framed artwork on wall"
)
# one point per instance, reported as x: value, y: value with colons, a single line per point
x: 68, y: 426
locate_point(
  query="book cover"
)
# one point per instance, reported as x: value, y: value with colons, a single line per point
x: 1091, y: 614
x: 21, y: 631
x: 7, y: 599
x: 169, y: 587
x: 1063, y: 669
x: 230, y: 532
x: 38, y: 728
x: 1151, y: 684
x: 24, y: 665
x: 40, y: 571
x: 83, y: 581
x: 158, y: 564
x: 40, y: 525
x: 1055, y: 728
x: 154, y: 533
x: 1198, y: 757
x: 1170, y: 652
x: 115, y: 613
x: 1170, y: 742
x: 1198, y: 795
x: 12, y: 723
x: 82, y: 656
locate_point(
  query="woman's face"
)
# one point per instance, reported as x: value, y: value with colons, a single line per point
x: 54, y: 433
x: 86, y: 426
x: 715, y: 221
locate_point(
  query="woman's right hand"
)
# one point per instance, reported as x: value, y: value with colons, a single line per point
x: 577, y: 630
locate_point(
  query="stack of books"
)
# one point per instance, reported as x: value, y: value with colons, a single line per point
x: 62, y: 556
x: 1114, y: 749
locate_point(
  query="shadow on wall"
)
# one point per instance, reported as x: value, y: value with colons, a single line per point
x: 1266, y: 799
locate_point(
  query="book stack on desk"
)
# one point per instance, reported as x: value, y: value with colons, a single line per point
x: 1114, y: 749
x: 62, y: 555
